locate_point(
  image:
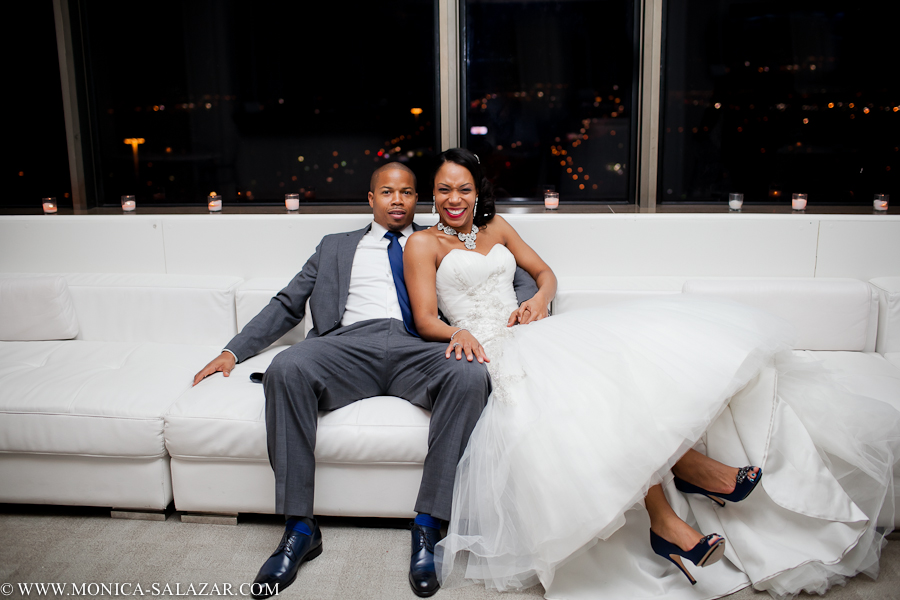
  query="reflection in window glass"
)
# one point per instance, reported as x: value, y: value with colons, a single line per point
x: 255, y: 99
x: 35, y: 130
x: 548, y: 96
x: 773, y: 98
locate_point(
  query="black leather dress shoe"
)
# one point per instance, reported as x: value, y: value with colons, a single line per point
x: 280, y: 570
x: 422, y: 576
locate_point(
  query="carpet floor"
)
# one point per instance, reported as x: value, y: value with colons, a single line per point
x: 84, y: 550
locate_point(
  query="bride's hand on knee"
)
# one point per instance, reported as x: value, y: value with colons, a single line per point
x: 464, y: 343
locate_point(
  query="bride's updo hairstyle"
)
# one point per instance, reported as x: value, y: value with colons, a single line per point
x: 483, y: 187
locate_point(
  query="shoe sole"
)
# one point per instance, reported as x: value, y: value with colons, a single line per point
x: 714, y: 555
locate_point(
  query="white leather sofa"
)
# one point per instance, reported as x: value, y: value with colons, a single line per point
x: 89, y: 366
x: 107, y: 416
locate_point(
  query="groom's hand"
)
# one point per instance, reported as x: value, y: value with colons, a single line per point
x: 224, y: 362
x: 465, y: 343
x: 533, y: 309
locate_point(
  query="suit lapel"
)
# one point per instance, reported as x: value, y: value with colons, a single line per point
x: 346, y: 252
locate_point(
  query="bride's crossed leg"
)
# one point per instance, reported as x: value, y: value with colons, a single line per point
x: 674, y: 539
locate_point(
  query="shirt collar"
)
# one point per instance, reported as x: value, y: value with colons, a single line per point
x: 379, y: 230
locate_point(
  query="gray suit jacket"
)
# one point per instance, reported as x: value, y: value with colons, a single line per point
x: 325, y: 281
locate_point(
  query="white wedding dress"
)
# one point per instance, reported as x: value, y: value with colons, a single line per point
x: 591, y: 408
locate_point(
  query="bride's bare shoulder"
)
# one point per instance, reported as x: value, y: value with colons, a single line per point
x: 423, y: 241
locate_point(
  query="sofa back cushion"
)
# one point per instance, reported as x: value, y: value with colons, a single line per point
x: 254, y: 294
x: 176, y: 309
x: 829, y: 314
x: 590, y: 292
x: 888, y: 289
x: 36, y: 309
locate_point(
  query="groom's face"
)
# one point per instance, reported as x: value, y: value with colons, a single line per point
x: 393, y: 199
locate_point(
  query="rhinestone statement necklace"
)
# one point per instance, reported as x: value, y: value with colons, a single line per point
x: 467, y: 238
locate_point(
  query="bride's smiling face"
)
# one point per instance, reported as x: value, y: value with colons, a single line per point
x: 454, y: 196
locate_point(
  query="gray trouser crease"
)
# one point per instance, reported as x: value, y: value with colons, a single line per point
x: 371, y: 358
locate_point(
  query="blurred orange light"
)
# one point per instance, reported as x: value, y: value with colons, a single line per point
x: 416, y: 111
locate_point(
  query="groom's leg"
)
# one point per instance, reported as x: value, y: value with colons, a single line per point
x: 316, y: 374
x: 455, y: 392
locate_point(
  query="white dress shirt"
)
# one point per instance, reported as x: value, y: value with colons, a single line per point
x: 372, y: 291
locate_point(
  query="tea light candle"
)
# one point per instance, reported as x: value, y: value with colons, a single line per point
x: 215, y: 203
x: 128, y: 204
x: 798, y: 201
x: 292, y: 201
x: 49, y: 206
x: 735, y: 201
x: 551, y: 200
x: 881, y: 201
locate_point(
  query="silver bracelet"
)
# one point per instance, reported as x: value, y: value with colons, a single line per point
x: 457, y: 331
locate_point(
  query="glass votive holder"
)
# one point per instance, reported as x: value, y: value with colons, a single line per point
x: 551, y: 200
x: 735, y: 202
x: 881, y: 201
x: 215, y: 203
x: 292, y: 202
x: 798, y: 201
x: 128, y: 204
x: 50, y: 206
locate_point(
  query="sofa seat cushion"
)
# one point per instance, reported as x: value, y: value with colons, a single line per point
x: 92, y: 398
x: 865, y: 373
x: 224, y: 418
x: 893, y: 358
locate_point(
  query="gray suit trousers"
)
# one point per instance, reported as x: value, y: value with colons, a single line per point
x: 370, y: 358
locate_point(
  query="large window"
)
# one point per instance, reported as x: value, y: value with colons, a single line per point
x: 35, y: 129
x: 549, y: 96
x: 771, y: 98
x: 253, y: 99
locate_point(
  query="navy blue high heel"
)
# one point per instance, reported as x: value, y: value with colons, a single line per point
x: 702, y: 554
x: 745, y: 483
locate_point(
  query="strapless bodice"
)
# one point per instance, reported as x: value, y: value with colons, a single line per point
x: 475, y: 291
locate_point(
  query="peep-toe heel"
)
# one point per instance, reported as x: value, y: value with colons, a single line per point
x: 745, y: 482
x: 702, y: 554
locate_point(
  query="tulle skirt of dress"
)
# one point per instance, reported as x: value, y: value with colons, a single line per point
x: 593, y: 407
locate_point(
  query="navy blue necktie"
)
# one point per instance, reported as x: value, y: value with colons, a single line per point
x: 395, y: 255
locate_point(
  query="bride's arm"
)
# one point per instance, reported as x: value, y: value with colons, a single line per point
x: 420, y: 272
x: 538, y: 306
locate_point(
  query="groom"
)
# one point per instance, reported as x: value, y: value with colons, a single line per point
x: 362, y: 344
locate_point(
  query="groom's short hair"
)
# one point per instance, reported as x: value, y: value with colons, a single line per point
x: 391, y: 165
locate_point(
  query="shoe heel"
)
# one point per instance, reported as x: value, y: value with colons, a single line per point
x: 698, y: 555
x: 743, y: 486
x: 314, y: 553
x: 677, y: 560
x: 718, y: 501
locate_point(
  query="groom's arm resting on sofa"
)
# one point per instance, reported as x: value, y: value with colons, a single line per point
x: 283, y: 312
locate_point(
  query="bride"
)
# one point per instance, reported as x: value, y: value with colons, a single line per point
x: 598, y: 414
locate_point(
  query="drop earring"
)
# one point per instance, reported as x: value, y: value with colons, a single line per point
x: 433, y: 203
x: 475, y: 208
